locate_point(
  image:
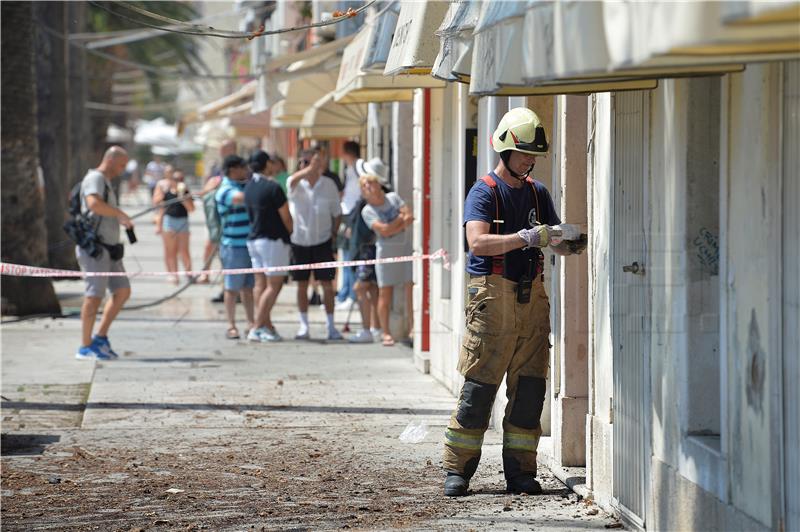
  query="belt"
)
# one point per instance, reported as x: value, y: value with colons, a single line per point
x: 478, y: 276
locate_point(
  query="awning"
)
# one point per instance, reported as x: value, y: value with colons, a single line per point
x: 705, y: 33
x: 327, y: 119
x: 543, y: 47
x: 760, y: 12
x: 361, y: 78
x: 251, y: 125
x: 243, y: 95
x: 497, y: 46
x: 414, y: 45
x: 316, y: 54
x: 454, y: 61
x: 644, y: 39
x: 575, y: 43
x: 305, y: 86
x: 319, y: 59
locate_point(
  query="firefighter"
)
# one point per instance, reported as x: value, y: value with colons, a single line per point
x: 509, y: 219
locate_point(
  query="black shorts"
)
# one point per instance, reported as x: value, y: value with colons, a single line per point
x: 310, y: 255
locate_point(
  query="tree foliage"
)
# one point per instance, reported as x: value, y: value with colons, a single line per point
x: 169, y: 50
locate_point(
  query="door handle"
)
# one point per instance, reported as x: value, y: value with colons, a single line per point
x: 633, y: 268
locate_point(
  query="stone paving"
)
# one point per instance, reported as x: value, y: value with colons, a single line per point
x: 189, y: 430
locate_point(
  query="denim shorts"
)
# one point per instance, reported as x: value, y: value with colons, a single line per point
x: 234, y: 257
x: 174, y: 224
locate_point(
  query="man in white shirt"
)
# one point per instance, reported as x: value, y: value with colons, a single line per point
x: 314, y: 203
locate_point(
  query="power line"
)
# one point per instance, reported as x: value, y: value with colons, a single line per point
x: 160, y: 71
x: 209, y: 31
x: 126, y: 36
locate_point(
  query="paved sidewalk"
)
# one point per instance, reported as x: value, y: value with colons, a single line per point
x: 189, y: 430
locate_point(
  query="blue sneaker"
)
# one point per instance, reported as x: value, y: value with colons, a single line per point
x: 102, y: 343
x: 91, y: 351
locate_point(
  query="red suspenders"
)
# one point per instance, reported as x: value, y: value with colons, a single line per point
x: 498, y: 260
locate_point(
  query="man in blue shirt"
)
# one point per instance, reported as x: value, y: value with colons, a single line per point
x: 508, y: 217
x: 233, y: 244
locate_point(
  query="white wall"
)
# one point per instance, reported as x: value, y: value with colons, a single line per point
x: 598, y: 422
x: 752, y: 284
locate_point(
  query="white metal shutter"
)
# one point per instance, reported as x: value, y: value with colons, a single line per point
x: 630, y: 306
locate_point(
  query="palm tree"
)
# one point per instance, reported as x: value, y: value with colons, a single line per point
x: 23, y: 232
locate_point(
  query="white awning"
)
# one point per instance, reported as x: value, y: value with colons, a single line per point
x: 251, y: 125
x: 414, y: 45
x: 455, y: 41
x: 544, y: 39
x: 305, y: 86
x: 243, y: 95
x: 320, y: 59
x: 327, y: 119
x: 760, y: 12
x: 316, y: 54
x: 703, y: 32
x: 653, y: 39
x: 497, y: 46
x: 361, y: 78
x: 575, y: 42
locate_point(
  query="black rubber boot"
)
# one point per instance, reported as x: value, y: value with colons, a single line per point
x: 523, y: 483
x: 518, y: 481
x: 455, y: 485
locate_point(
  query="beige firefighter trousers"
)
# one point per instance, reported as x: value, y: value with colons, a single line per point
x: 503, y: 338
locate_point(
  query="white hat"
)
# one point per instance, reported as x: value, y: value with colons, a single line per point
x: 373, y: 167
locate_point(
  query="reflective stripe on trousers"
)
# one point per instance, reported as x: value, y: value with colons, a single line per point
x: 508, y: 339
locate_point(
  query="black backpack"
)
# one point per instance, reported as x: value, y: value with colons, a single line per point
x: 79, y: 228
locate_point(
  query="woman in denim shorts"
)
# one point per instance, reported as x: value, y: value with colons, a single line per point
x: 172, y: 222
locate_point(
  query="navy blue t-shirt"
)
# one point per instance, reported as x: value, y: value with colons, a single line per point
x: 518, y: 209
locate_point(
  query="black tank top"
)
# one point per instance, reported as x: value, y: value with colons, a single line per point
x: 176, y: 210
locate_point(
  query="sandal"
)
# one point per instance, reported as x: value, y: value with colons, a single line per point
x: 388, y: 341
x: 232, y: 334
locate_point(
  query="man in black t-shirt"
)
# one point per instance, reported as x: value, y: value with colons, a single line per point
x: 268, y: 241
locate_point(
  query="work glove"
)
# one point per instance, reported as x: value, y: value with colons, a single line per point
x: 538, y: 236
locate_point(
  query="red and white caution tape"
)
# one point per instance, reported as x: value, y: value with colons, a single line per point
x: 20, y: 270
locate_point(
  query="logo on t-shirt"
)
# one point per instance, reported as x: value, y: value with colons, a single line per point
x: 532, y: 217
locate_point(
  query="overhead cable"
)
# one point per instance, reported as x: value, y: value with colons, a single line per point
x: 209, y: 31
x: 159, y: 71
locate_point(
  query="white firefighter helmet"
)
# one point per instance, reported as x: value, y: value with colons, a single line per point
x: 520, y: 130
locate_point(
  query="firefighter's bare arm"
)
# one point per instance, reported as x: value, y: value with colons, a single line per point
x: 484, y: 244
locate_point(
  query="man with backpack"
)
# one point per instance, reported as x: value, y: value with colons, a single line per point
x: 102, y: 252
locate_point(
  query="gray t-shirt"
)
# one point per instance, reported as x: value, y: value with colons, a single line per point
x: 397, y: 244
x: 107, y: 226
